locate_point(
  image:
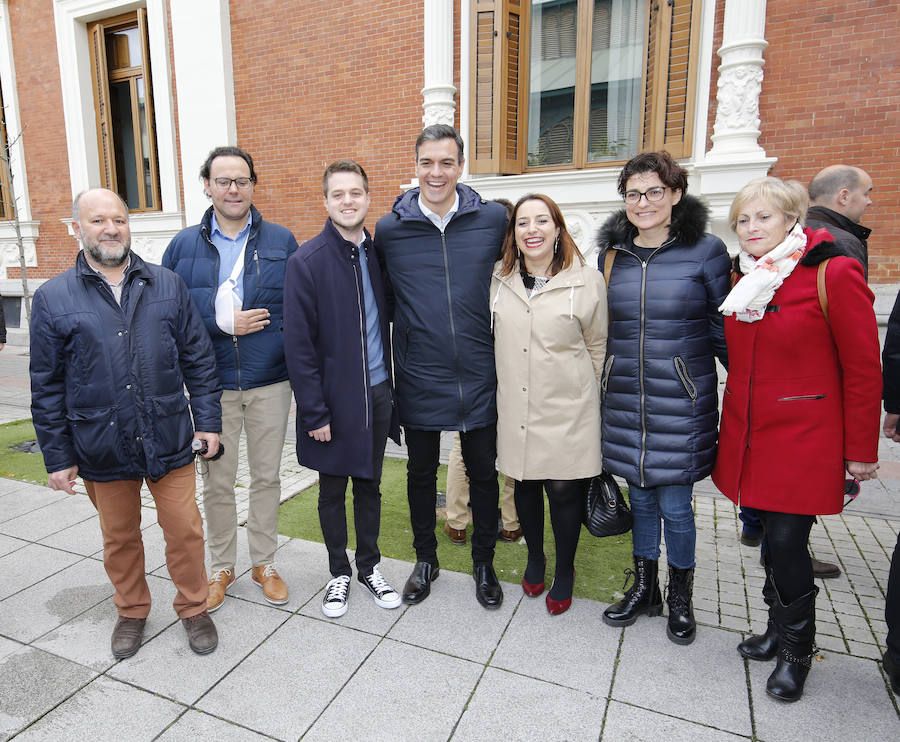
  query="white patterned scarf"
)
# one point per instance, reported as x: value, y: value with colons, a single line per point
x: 748, y: 299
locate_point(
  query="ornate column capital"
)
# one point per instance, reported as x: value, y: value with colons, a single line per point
x: 439, y: 93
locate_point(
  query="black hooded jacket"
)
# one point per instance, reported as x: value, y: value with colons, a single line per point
x: 659, y: 390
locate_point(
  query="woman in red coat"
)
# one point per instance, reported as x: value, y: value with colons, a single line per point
x: 801, y: 403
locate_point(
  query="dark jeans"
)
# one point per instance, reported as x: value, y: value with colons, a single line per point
x: 479, y: 452
x: 892, y: 606
x: 785, y: 552
x: 366, y: 500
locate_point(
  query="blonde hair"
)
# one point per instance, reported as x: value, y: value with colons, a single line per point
x: 788, y: 196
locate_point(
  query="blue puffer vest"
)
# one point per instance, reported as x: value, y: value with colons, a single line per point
x: 659, y: 399
x: 245, y: 361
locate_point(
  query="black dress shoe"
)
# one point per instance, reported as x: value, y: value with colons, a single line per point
x: 487, y: 586
x: 893, y: 671
x: 418, y: 586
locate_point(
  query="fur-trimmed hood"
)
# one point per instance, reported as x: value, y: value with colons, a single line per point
x: 822, y: 247
x: 689, y: 219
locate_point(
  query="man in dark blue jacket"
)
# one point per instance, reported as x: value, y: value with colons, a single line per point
x: 233, y: 263
x: 336, y: 339
x: 114, y: 342
x: 439, y: 245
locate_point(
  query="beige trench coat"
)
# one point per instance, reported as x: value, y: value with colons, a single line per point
x: 549, y: 352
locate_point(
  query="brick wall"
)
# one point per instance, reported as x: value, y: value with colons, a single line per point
x: 831, y: 93
x: 335, y: 80
x: 46, y: 160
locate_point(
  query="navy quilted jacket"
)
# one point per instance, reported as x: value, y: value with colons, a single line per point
x: 439, y: 285
x: 660, y: 401
x: 245, y: 361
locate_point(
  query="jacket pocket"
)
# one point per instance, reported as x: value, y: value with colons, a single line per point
x: 686, y: 381
x: 172, y: 421
x: 95, y: 435
x: 607, y: 370
x: 802, y: 397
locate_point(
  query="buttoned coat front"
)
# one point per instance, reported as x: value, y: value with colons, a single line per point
x: 549, y: 351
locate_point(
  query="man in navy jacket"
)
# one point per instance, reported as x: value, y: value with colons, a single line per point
x: 439, y: 245
x: 336, y: 339
x: 233, y: 263
x: 114, y: 342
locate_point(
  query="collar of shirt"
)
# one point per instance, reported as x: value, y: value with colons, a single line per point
x: 215, y: 231
x: 439, y: 222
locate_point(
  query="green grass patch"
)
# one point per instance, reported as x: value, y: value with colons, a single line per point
x: 599, y: 563
x: 27, y: 467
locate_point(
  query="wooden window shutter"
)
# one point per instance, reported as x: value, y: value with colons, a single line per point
x: 496, y: 139
x: 101, y: 106
x: 673, y: 37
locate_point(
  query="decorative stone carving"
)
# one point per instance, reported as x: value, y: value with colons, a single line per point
x: 738, y: 99
x: 438, y: 112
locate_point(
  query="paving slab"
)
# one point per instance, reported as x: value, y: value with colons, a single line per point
x: 303, y: 650
x: 9, y: 544
x: 8, y: 646
x: 538, y: 644
x: 509, y: 706
x: 451, y: 620
x: 48, y: 604
x: 197, y: 726
x: 166, y: 665
x: 31, y: 564
x: 845, y: 698
x: 627, y: 723
x: 404, y: 692
x: 36, y: 497
x: 704, y: 682
x: 31, y: 683
x: 85, y: 638
x: 105, y: 710
x: 82, y: 538
x: 36, y: 524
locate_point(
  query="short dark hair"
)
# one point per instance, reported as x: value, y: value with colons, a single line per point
x: 227, y: 152
x: 344, y: 166
x: 435, y: 133
x: 670, y: 172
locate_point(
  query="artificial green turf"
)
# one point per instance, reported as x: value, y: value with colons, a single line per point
x: 28, y: 467
x: 599, y: 563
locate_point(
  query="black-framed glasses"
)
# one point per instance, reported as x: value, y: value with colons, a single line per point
x: 651, y: 194
x: 223, y: 184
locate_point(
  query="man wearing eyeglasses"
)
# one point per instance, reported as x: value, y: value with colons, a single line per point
x: 233, y: 263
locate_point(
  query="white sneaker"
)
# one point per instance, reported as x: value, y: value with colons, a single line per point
x: 334, y: 603
x: 384, y: 595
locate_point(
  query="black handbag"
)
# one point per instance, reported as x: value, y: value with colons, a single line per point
x: 605, y: 512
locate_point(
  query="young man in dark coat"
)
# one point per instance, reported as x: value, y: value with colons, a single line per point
x: 336, y: 339
x: 439, y: 245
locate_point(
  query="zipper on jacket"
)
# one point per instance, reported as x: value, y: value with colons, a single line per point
x: 237, y: 354
x: 362, y: 340
x: 607, y: 370
x: 462, y: 407
x: 256, y: 260
x: 682, y: 370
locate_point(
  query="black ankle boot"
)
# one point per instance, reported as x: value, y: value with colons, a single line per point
x: 763, y: 647
x: 681, y: 629
x: 796, y: 623
x: 642, y: 597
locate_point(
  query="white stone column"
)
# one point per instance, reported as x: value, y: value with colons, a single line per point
x: 438, y: 94
x: 740, y: 82
x: 201, y: 37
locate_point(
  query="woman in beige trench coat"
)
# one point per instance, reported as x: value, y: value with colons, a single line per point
x: 548, y: 312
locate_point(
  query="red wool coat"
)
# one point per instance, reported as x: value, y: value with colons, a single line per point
x: 803, y: 394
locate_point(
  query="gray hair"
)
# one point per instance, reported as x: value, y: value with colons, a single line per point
x: 435, y: 133
x: 76, y: 208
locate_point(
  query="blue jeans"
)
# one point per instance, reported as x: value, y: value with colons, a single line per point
x: 671, y: 503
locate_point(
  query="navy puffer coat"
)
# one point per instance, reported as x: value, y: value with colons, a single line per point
x: 440, y: 282
x: 659, y: 403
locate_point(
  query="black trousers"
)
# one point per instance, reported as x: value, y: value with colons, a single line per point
x: 892, y: 606
x: 786, y: 552
x: 366, y: 500
x: 479, y: 452
x: 566, y: 498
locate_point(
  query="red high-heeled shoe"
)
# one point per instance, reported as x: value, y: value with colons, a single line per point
x: 533, y: 589
x: 555, y: 607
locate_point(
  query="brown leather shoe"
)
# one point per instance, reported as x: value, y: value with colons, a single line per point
x: 273, y: 587
x: 126, y: 637
x: 202, y: 635
x: 825, y: 570
x: 218, y: 584
x: 511, y: 536
x: 457, y: 536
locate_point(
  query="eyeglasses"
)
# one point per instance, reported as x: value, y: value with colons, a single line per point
x: 223, y: 184
x: 651, y: 194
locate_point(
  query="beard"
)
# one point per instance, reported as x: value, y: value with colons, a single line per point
x: 105, y: 257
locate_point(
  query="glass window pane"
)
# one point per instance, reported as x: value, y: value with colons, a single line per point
x: 123, y: 48
x: 123, y: 142
x: 551, y: 95
x: 617, y: 47
x: 145, y: 141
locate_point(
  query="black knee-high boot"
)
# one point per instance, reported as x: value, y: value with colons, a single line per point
x: 796, y: 625
x: 763, y: 647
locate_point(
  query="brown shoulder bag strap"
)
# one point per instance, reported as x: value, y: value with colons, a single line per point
x: 820, y: 288
x: 608, y: 264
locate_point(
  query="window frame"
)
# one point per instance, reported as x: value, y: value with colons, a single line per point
x: 7, y: 208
